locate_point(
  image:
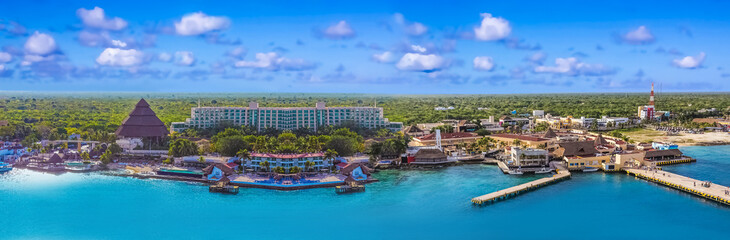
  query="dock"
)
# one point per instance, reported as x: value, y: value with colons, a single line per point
x: 676, y: 161
x: 222, y: 187
x: 704, y: 189
x: 526, y: 187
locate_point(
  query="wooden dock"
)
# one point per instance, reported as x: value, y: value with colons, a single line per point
x: 714, y: 192
x: 516, y: 190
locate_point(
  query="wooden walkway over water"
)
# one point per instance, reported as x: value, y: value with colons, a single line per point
x: 714, y: 192
x: 516, y: 190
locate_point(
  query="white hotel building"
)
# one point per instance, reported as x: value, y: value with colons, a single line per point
x: 286, y: 118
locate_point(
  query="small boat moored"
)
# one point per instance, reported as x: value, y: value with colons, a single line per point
x: 515, y: 172
x: 543, y: 170
x: 590, y: 169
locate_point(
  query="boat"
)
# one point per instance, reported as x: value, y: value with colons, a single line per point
x: 590, y: 169
x: 515, y: 172
x: 543, y: 170
x: 4, y: 167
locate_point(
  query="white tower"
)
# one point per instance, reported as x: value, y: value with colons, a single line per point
x: 438, y: 139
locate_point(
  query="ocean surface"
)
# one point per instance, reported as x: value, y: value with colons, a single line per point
x: 403, y: 205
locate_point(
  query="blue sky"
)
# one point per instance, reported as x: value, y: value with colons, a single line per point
x: 406, y: 47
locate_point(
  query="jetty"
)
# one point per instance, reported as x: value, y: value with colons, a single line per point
x: 561, y: 175
x: 704, y: 189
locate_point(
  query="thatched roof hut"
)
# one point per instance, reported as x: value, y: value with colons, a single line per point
x: 55, y: 159
x: 600, y: 141
x: 429, y: 155
x: 142, y: 122
x: 550, y: 134
x: 572, y: 149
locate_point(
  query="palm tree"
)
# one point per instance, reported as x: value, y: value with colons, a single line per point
x: 243, y: 156
x: 308, y: 165
x: 264, y: 165
x: 330, y: 155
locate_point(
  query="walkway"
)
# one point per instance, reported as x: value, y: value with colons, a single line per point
x: 514, y: 191
x: 715, y: 192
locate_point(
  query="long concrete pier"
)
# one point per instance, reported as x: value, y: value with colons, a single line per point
x: 516, y: 190
x: 714, y: 192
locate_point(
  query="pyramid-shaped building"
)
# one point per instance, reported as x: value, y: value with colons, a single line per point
x: 142, y: 122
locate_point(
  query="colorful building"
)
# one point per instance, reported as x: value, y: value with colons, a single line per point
x: 286, y: 118
x: 287, y: 161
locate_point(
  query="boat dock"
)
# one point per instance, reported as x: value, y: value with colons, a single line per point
x: 704, y: 189
x: 677, y: 161
x: 525, y: 187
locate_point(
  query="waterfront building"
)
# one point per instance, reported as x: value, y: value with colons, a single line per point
x: 663, y: 155
x: 12, y: 153
x: 527, y: 157
x: 427, y: 156
x: 581, y: 155
x: 286, y: 118
x: 217, y: 171
x: 287, y: 161
x: 356, y: 171
x: 142, y: 123
x: 447, y: 139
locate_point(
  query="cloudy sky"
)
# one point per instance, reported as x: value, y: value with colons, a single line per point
x: 407, y: 47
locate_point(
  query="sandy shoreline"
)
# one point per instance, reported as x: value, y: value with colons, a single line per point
x: 683, y: 139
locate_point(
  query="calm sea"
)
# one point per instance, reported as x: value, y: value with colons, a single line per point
x: 403, y: 205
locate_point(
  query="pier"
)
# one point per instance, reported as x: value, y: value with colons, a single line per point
x: 676, y: 161
x: 525, y: 187
x: 704, y: 189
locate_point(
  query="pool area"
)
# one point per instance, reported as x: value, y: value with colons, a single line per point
x: 180, y: 173
x: 287, y: 182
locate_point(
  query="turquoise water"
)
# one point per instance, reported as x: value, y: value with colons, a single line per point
x: 403, y: 205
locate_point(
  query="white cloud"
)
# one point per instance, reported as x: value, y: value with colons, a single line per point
x: 237, y: 53
x: 572, y: 67
x: 690, y: 62
x: 341, y: 30
x: 421, y: 62
x: 418, y: 48
x: 641, y: 35
x: 538, y: 57
x: 120, y: 57
x: 165, y: 57
x: 40, y: 44
x: 184, y: 58
x: 199, y: 23
x: 416, y: 29
x: 95, y: 18
x: 2, y: 67
x: 272, y: 61
x: 119, y: 43
x: 411, y: 28
x: 5, y: 57
x: 385, y: 57
x: 492, y: 28
x: 483, y: 63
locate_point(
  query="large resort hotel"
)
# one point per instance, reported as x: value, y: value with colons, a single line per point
x: 286, y: 118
